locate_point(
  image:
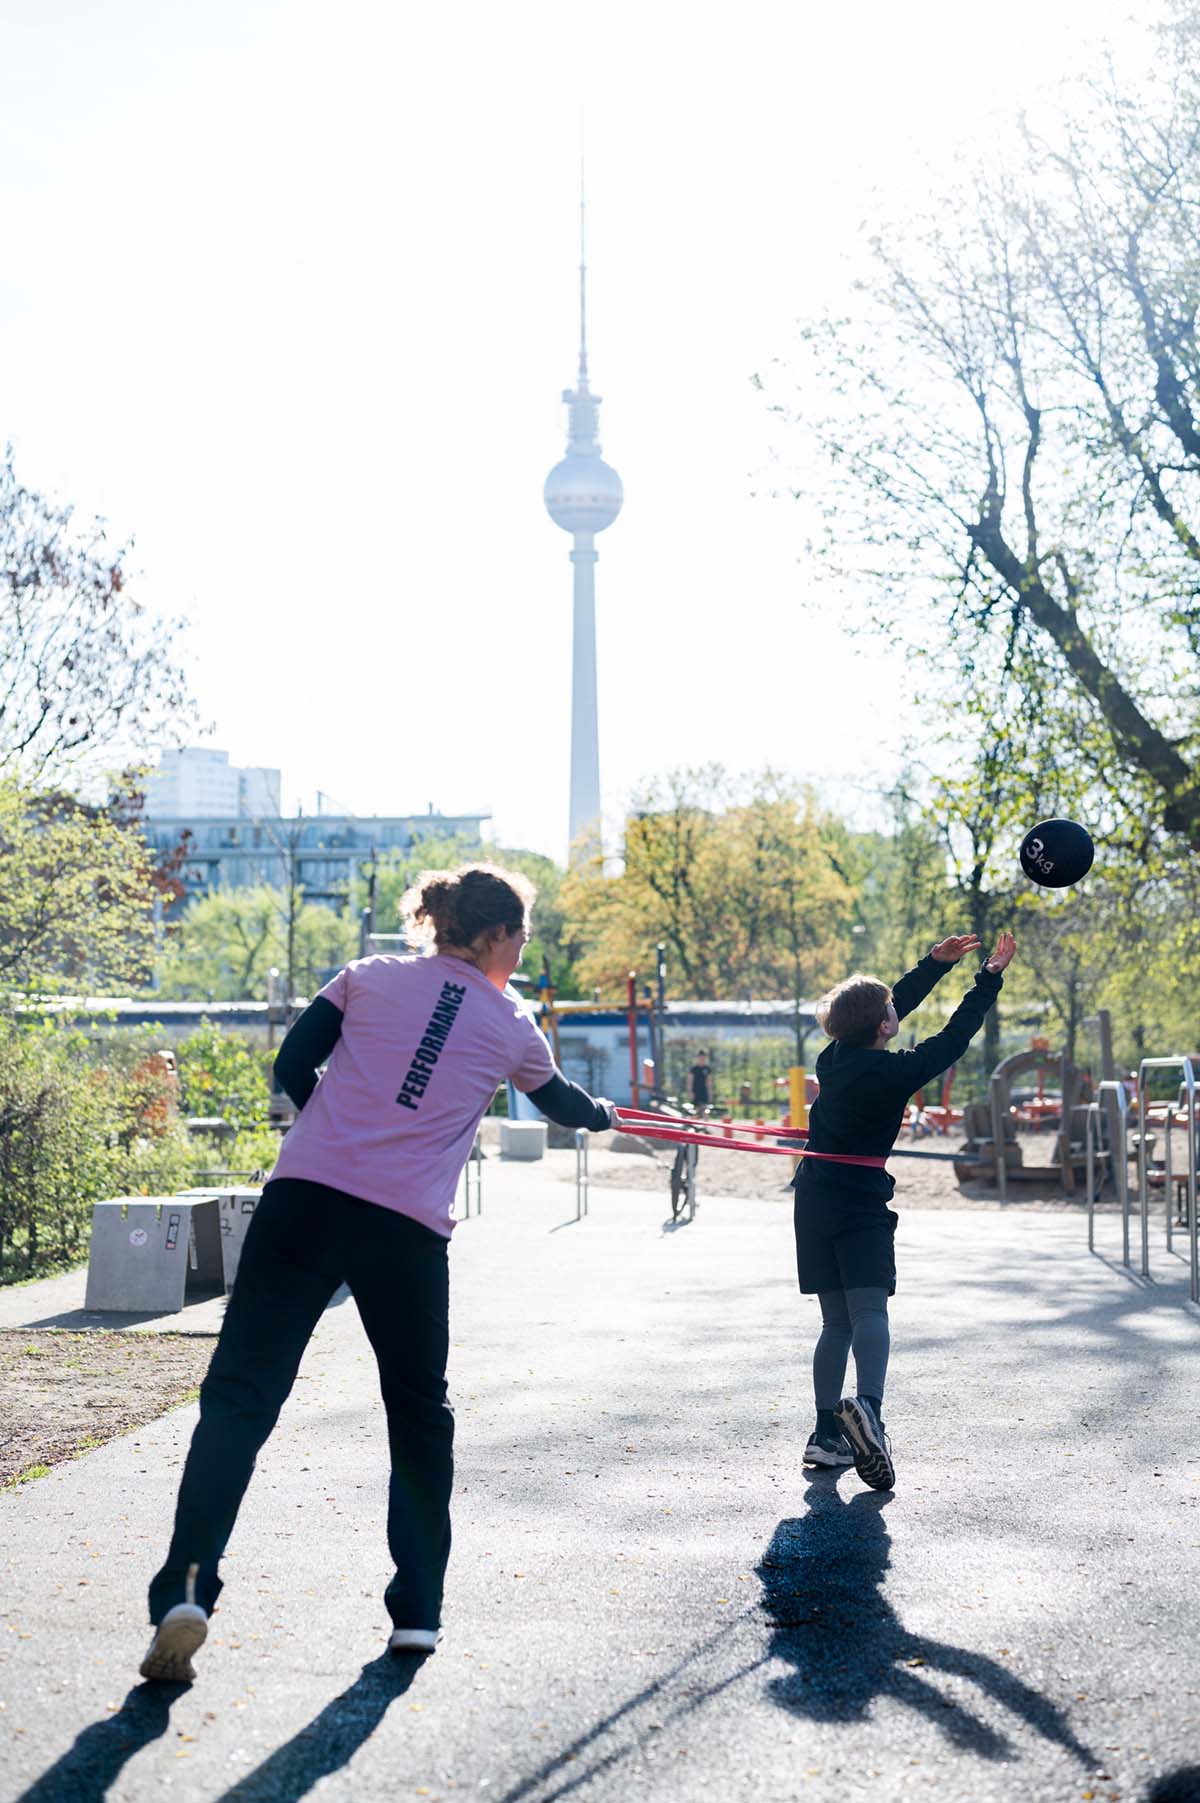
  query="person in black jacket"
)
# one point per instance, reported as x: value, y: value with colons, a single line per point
x: 844, y: 1227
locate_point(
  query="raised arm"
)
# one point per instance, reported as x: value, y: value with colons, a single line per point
x: 307, y: 1045
x: 915, y: 985
x: 910, y: 1070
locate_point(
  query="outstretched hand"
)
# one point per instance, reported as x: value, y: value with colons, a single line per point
x: 956, y: 947
x: 1005, y: 952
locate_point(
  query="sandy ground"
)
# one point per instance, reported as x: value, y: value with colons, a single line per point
x: 61, y: 1393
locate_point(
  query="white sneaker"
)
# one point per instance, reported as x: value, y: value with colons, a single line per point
x: 414, y: 1640
x: 180, y: 1633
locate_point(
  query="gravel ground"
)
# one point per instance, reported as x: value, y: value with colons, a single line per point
x: 62, y: 1393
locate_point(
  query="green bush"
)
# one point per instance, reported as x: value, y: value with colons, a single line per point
x: 225, y: 1076
x: 76, y: 1127
x: 221, y: 1074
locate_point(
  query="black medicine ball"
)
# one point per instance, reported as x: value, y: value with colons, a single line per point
x: 1057, y: 853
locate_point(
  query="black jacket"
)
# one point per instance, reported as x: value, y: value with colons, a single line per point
x: 864, y: 1093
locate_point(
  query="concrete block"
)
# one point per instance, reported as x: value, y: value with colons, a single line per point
x: 522, y: 1139
x: 235, y: 1211
x: 148, y: 1252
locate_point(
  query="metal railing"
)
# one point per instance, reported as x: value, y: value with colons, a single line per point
x: 473, y: 1179
x: 1187, y: 1094
x: 581, y: 1172
x: 1096, y: 1117
x: 1182, y: 1106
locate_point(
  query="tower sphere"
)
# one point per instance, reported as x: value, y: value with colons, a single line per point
x: 583, y: 493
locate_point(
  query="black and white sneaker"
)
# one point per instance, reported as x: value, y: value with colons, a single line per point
x: 870, y: 1446
x: 827, y: 1449
x: 181, y: 1632
x: 414, y: 1640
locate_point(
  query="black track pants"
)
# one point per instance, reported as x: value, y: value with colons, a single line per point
x: 304, y: 1242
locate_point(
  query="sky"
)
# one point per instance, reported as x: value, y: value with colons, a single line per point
x: 288, y: 294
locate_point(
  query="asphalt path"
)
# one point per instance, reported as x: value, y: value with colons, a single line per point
x: 648, y: 1596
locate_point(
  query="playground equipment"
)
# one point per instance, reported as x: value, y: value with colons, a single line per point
x: 991, y: 1125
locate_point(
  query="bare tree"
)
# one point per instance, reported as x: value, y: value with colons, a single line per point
x: 83, y: 668
x: 1012, y: 423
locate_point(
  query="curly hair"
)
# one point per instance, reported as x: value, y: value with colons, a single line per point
x: 453, y: 907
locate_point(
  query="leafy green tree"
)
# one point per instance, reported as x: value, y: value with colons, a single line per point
x: 735, y: 875
x: 76, y: 896
x: 222, y: 948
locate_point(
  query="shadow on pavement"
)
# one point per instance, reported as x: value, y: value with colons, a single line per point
x: 331, y: 1739
x: 1182, y: 1786
x: 822, y: 1580
x: 92, y: 1764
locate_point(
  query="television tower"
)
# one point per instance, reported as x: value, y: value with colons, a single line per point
x: 583, y: 495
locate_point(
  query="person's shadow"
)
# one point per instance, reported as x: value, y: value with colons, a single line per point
x: 87, y: 1769
x: 1180, y: 1786
x: 822, y: 1579
x: 93, y: 1762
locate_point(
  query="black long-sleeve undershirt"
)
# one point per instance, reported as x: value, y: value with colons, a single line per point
x: 306, y: 1047
x: 567, y: 1105
x: 311, y: 1039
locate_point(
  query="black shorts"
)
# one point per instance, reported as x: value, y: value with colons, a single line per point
x: 844, y: 1243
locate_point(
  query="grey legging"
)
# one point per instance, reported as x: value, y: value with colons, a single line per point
x: 851, y: 1318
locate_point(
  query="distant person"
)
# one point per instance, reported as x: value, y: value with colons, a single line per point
x: 362, y: 1194
x: 700, y: 1083
x: 845, y: 1230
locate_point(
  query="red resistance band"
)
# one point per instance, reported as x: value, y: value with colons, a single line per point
x: 682, y: 1130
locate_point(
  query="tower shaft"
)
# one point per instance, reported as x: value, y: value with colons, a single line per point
x: 585, y: 729
x: 583, y: 495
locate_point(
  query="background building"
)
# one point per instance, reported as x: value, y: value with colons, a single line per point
x: 233, y: 836
x: 199, y: 783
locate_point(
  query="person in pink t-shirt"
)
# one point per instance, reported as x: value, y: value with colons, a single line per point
x: 362, y: 1193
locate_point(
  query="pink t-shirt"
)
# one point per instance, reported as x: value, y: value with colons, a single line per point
x: 425, y: 1043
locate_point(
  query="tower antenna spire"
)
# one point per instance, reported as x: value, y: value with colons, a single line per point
x: 583, y: 369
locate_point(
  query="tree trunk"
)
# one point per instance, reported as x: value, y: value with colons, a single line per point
x: 1073, y: 986
x: 981, y: 924
x: 1138, y: 738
